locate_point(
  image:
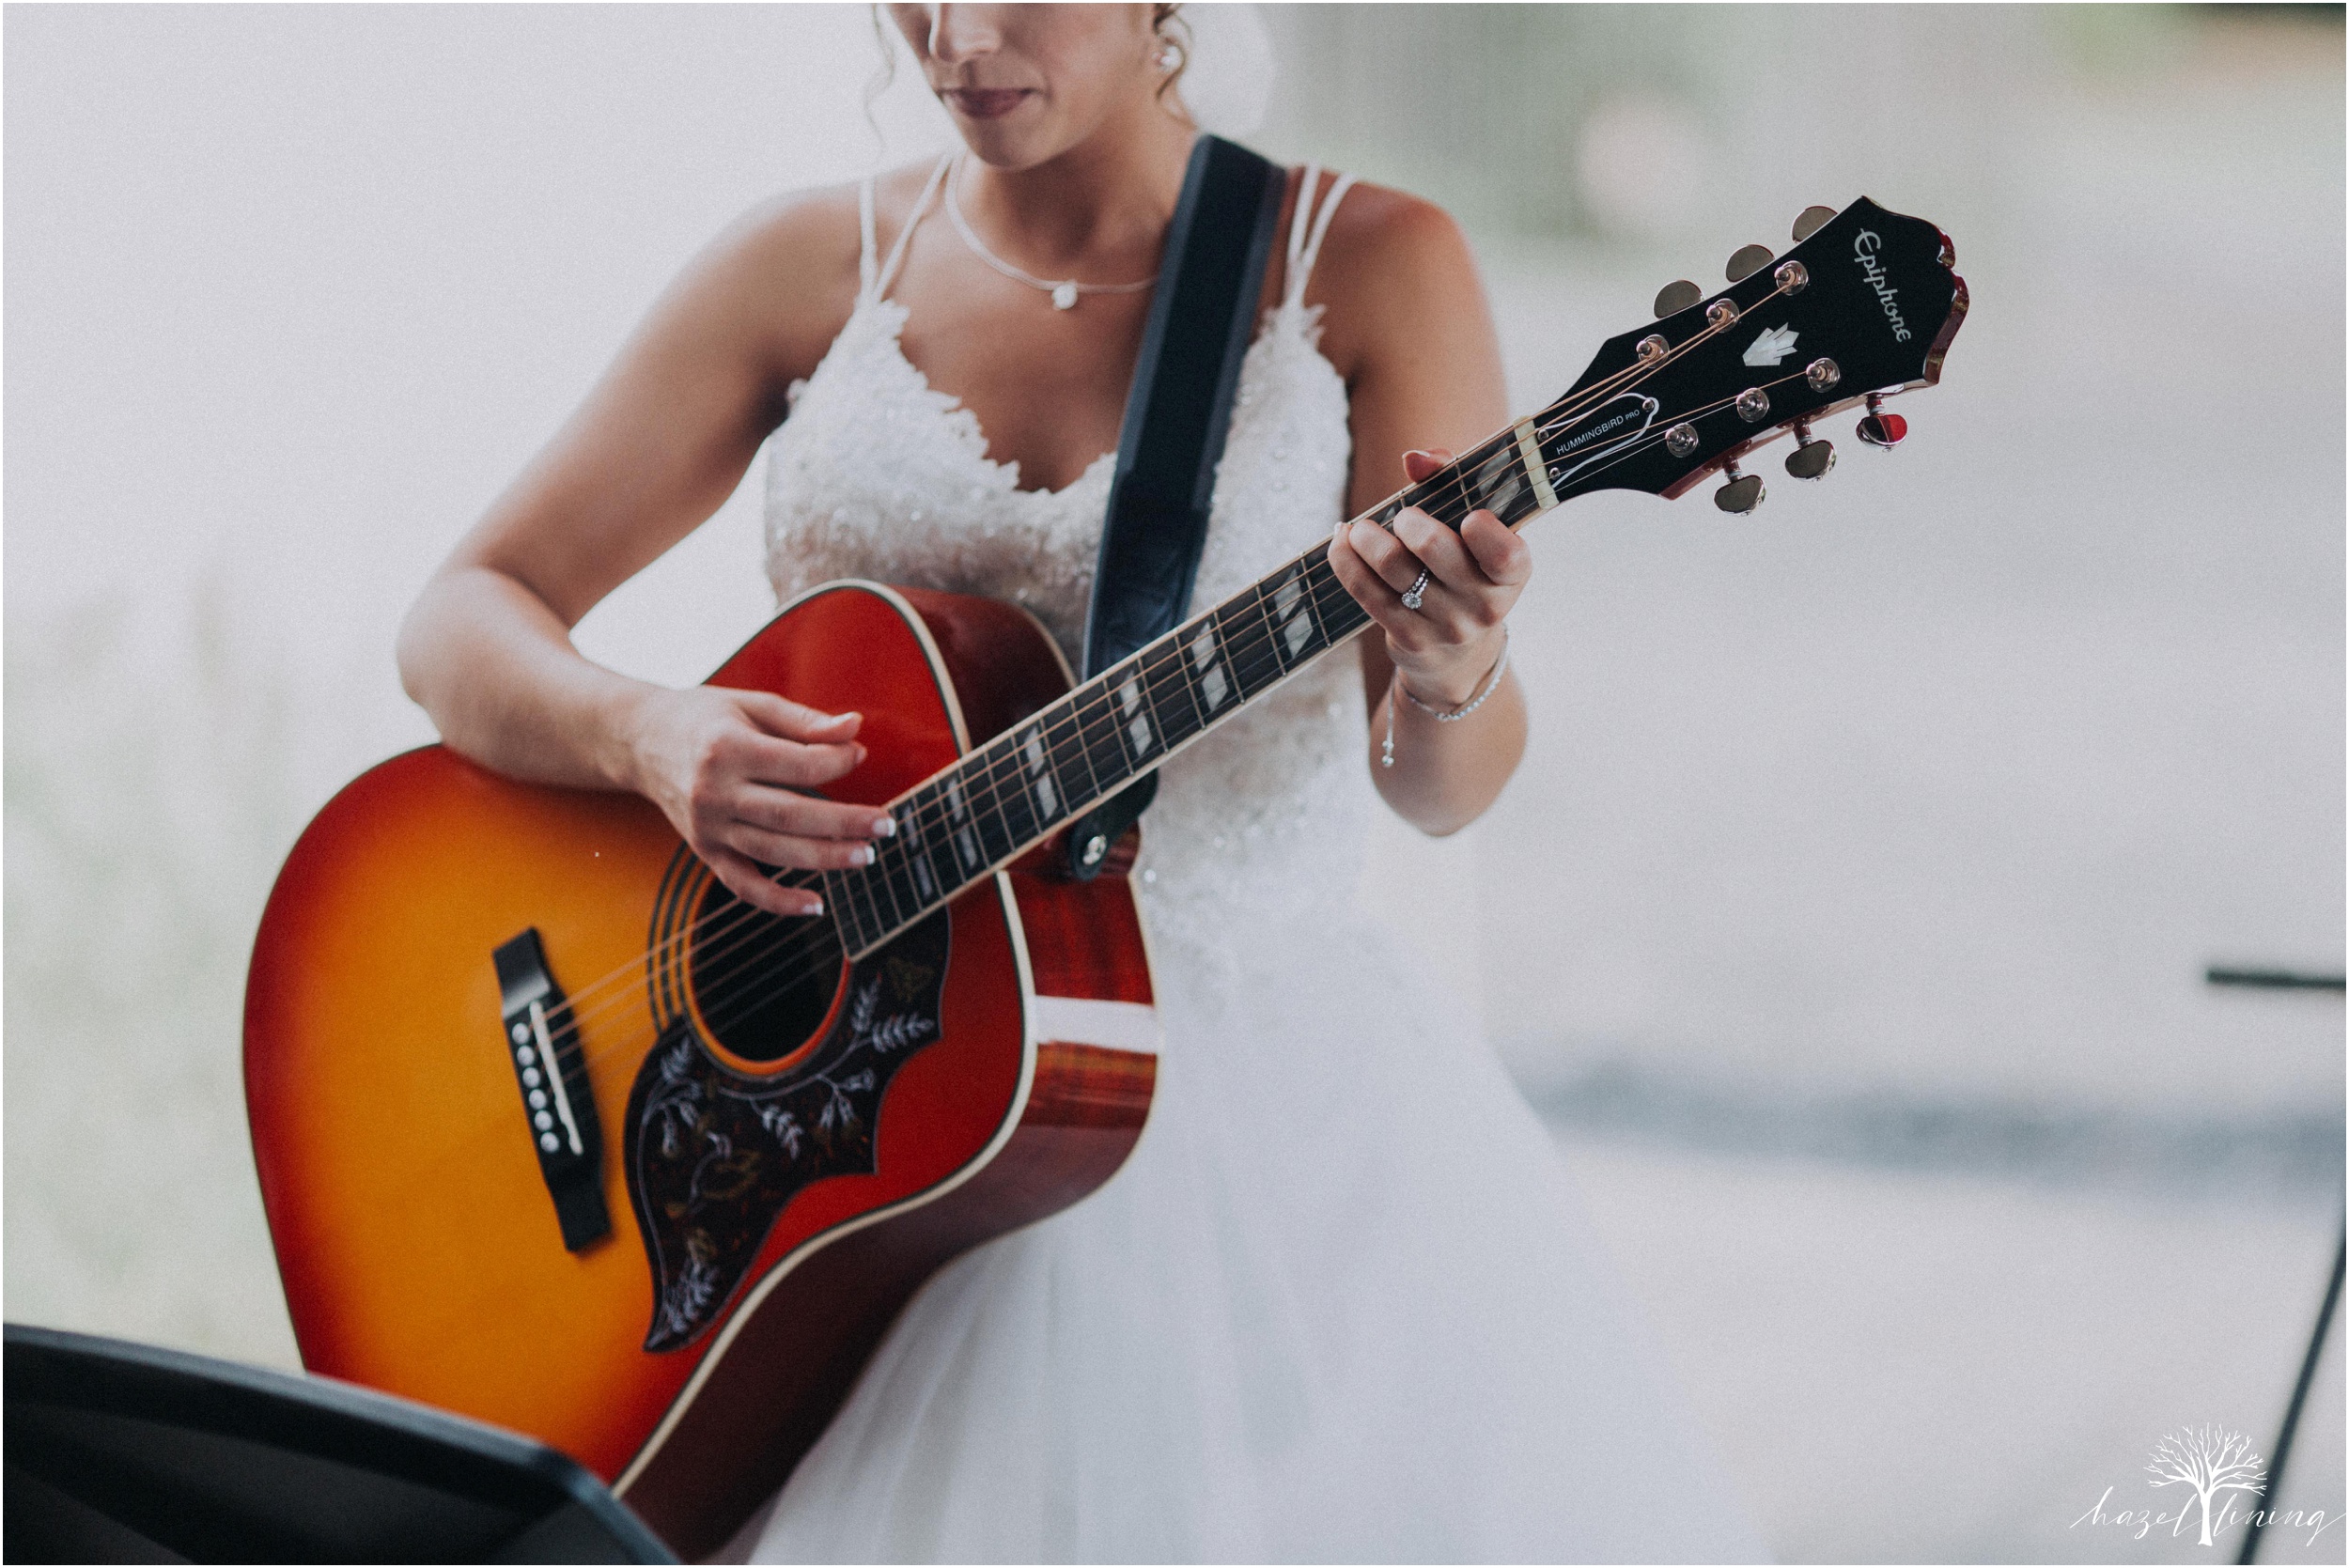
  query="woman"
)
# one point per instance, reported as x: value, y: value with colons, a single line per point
x: 1340, y: 1303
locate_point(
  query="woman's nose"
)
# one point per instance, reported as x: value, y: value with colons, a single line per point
x: 960, y: 32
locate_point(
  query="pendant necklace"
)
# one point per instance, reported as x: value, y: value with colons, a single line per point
x: 1064, y: 293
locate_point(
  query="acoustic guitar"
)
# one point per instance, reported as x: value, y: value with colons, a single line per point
x: 554, y: 1132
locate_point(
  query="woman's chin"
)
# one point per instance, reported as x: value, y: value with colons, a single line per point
x: 1016, y: 142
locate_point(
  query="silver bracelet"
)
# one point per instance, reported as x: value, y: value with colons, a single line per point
x: 1441, y: 716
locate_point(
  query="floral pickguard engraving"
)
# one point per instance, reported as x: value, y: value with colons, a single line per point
x: 713, y: 1155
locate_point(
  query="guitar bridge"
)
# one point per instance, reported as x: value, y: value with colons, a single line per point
x: 542, y: 1046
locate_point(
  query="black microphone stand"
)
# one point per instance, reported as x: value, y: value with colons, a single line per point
x: 2286, y: 980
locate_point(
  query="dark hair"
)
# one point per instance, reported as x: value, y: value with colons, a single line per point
x: 879, y: 82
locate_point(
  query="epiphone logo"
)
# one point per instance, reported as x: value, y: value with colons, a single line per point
x: 1864, y: 250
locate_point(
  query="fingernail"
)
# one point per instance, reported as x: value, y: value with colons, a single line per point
x: 885, y: 827
x: 867, y: 855
x: 816, y: 907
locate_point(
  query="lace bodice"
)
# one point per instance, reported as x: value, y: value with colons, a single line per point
x: 877, y: 474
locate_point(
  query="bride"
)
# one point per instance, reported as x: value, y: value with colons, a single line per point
x: 1341, y: 1303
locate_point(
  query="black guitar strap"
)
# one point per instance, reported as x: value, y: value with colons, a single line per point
x: 1177, y: 416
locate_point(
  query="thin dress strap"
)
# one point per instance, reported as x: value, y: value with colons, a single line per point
x: 1302, y: 257
x: 897, y: 252
x: 1300, y: 220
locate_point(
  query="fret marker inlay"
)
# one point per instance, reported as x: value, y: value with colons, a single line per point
x: 1138, y: 730
x: 1496, y: 482
x: 1213, y: 687
x: 1040, y: 775
x: 1288, y: 600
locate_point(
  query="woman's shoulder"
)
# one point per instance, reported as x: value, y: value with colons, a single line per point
x: 823, y: 220
x: 790, y: 269
x: 1392, y: 264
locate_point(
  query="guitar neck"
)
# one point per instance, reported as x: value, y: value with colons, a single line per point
x: 1659, y: 408
x: 1023, y: 785
x: 970, y: 819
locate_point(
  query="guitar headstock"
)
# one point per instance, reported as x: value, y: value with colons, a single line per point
x: 1863, y: 306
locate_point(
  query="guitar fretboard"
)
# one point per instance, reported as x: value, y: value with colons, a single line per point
x: 1016, y: 790
x: 1610, y: 430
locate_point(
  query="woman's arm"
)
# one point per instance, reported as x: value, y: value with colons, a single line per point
x: 658, y: 446
x: 1410, y: 331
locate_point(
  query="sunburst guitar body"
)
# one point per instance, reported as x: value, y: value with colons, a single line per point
x: 774, y: 1150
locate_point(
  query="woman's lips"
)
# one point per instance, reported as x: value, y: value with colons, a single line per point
x: 986, y: 102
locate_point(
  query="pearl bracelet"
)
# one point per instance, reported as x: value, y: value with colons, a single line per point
x: 1441, y: 716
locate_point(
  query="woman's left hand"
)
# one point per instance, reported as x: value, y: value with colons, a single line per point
x: 1445, y: 649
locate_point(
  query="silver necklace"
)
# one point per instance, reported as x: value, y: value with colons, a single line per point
x: 1064, y: 293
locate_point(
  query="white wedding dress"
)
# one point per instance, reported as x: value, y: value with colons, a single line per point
x: 1342, y: 1302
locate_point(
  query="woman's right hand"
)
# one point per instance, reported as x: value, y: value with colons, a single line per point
x: 728, y: 767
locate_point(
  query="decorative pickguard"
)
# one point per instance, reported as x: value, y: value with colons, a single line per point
x: 714, y: 1154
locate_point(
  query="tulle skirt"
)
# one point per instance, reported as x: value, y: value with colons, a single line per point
x: 1341, y: 1304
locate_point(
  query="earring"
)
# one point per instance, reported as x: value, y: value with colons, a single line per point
x: 1170, y: 55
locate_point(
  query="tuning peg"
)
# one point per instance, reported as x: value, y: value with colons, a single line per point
x: 1811, y: 458
x: 1878, y: 429
x: 1675, y: 298
x: 1743, y: 493
x: 1809, y: 221
x: 1748, y: 260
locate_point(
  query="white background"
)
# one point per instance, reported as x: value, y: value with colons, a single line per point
x: 1937, y: 782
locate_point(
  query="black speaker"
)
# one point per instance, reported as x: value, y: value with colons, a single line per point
x: 121, y: 1452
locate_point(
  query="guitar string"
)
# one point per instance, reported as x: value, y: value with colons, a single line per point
x: 821, y: 945
x: 1325, y: 594
x: 1324, y: 601
x: 1446, y: 489
x: 1450, y: 488
x: 573, y: 1025
x: 1431, y: 492
x: 808, y: 952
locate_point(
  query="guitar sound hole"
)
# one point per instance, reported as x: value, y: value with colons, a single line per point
x: 762, y: 985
